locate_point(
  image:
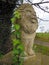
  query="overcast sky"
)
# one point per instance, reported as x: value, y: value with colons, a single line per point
x: 43, y: 25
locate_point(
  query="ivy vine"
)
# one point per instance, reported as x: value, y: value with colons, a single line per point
x: 17, y: 44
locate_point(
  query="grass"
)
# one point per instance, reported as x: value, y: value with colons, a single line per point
x: 43, y: 36
x: 42, y: 49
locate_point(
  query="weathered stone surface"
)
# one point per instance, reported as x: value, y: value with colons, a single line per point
x: 30, y: 60
x: 45, y: 60
x: 33, y: 60
x: 39, y: 59
x: 7, y: 59
x: 29, y: 24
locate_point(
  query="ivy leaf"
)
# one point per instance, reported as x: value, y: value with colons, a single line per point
x: 17, y: 14
x: 15, y: 52
x: 16, y: 26
x: 18, y: 34
x: 13, y: 19
x: 20, y: 47
x: 15, y: 42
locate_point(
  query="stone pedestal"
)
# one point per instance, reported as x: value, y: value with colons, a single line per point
x: 32, y: 60
x: 29, y: 60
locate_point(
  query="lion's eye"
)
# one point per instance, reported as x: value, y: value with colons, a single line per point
x: 32, y: 22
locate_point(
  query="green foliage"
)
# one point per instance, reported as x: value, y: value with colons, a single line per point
x: 18, y: 34
x: 42, y: 49
x: 1, y: 55
x: 13, y: 19
x: 43, y: 36
x: 16, y: 15
x: 17, y: 27
x: 17, y: 44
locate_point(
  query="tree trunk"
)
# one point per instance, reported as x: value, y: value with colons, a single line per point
x: 6, y: 11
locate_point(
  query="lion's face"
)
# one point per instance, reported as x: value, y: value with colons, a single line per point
x: 28, y: 19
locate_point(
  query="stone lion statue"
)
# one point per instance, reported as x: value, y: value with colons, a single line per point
x: 29, y: 24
